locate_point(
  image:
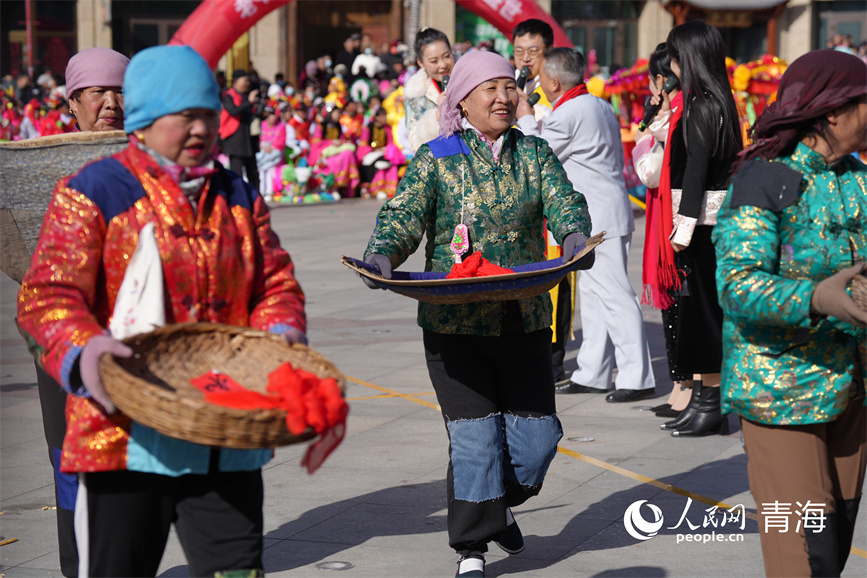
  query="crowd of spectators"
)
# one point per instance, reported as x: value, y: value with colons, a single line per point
x: 309, y: 137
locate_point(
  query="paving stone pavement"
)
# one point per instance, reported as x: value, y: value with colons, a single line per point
x: 378, y: 504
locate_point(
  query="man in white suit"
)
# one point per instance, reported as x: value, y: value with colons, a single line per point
x: 584, y: 133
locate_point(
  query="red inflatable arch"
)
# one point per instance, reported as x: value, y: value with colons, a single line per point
x: 215, y: 25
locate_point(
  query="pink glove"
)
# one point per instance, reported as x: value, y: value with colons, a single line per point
x: 88, y: 366
x: 830, y: 297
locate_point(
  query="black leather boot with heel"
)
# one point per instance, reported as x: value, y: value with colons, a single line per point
x: 688, y: 412
x: 708, y: 420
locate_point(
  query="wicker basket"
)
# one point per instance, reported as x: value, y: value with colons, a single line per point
x: 858, y: 289
x: 153, y: 386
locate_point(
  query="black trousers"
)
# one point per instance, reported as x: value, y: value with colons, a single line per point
x: 237, y: 164
x: 497, y: 400
x: 669, y: 331
x: 563, y: 316
x: 367, y: 172
x: 52, y: 398
x: 699, y: 316
x: 218, y: 518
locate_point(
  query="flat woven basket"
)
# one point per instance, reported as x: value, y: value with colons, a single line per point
x: 858, y: 289
x: 153, y: 386
x: 525, y: 280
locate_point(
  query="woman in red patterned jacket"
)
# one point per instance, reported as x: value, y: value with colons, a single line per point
x: 221, y: 263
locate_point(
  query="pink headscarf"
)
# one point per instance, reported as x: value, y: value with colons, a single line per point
x: 95, y: 67
x: 470, y: 71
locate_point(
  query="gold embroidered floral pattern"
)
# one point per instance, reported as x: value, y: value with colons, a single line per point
x: 778, y: 366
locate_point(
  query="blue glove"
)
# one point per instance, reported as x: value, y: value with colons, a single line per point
x: 384, y: 264
x: 294, y: 335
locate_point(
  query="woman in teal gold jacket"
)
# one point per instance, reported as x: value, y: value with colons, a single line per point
x: 791, y: 235
x: 489, y: 362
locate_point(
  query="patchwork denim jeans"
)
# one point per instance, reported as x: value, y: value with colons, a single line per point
x: 497, y: 399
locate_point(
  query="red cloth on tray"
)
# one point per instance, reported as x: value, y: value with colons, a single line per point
x: 476, y: 266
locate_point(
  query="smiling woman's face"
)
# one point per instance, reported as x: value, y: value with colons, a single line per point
x: 186, y: 138
x: 437, y: 59
x: 491, y: 106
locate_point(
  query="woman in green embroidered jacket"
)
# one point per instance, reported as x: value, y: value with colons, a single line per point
x: 489, y: 362
x: 791, y: 235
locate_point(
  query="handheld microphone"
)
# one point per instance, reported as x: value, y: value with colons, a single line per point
x: 445, y: 81
x: 533, y: 99
x: 523, y: 76
x: 669, y: 85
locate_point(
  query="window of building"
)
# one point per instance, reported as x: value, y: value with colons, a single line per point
x: 609, y: 27
x: 844, y: 17
x: 140, y: 25
x: 54, y: 36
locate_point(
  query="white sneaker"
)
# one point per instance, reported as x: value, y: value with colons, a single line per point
x: 472, y: 566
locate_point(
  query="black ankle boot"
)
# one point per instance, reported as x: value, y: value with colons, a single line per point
x: 688, y: 412
x: 708, y: 419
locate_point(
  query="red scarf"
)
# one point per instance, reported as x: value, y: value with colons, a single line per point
x: 659, y: 273
x: 570, y: 94
x: 309, y: 403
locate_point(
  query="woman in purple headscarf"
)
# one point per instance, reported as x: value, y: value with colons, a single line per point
x: 485, y: 187
x: 791, y: 235
x: 93, y: 82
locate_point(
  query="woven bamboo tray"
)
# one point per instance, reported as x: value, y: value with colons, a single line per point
x: 525, y: 280
x: 153, y: 386
x: 858, y: 289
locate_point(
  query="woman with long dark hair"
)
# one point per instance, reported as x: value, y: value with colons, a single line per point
x: 703, y: 144
x: 647, y: 156
x: 791, y: 237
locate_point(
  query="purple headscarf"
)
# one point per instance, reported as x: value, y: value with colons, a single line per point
x: 470, y: 71
x: 814, y: 85
x: 95, y: 67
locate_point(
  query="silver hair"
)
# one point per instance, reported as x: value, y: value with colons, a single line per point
x: 566, y: 65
